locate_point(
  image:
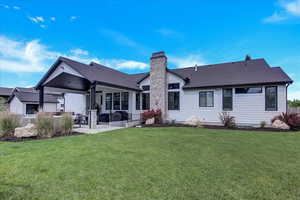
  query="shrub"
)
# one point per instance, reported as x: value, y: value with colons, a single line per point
x: 66, y: 124
x: 8, y: 123
x: 45, y: 125
x: 152, y: 114
x: 291, y: 119
x: 263, y: 124
x: 227, y: 120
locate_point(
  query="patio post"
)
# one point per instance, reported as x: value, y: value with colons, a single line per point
x: 93, y: 111
x: 41, y: 99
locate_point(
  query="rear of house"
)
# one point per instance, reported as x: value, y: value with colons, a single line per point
x: 250, y: 90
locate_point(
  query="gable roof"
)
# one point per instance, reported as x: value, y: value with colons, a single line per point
x: 5, y: 91
x: 31, y: 95
x: 250, y: 72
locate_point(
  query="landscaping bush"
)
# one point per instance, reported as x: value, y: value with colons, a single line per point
x: 291, y: 119
x: 227, y: 120
x: 152, y: 114
x: 45, y: 125
x: 66, y: 124
x: 263, y: 124
x: 8, y: 123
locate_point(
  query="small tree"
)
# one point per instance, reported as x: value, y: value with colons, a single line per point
x: 227, y: 120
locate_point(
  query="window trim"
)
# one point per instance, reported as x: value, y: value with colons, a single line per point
x: 174, y: 104
x: 145, y: 93
x: 138, y: 101
x: 227, y: 109
x: 213, y: 99
x: 122, y: 100
x: 271, y: 109
x: 111, y: 101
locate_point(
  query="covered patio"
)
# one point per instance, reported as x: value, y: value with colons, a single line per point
x: 106, y: 100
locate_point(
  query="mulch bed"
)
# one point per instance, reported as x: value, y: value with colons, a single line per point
x: 244, y: 128
x: 15, y: 139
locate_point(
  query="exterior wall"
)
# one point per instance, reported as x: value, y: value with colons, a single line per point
x: 249, y: 109
x: 50, y: 107
x: 75, y: 103
x: 16, y: 106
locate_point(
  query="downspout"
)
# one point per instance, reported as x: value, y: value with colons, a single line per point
x: 286, y: 96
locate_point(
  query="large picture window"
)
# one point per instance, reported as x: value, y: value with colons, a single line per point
x: 146, y: 101
x: 32, y: 109
x: 108, y: 101
x: 206, y: 99
x: 271, y: 98
x: 138, y: 101
x: 117, y: 101
x: 124, y: 98
x: 173, y: 100
x: 227, y: 99
x: 249, y: 90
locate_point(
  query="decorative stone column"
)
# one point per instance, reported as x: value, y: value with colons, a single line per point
x: 158, y: 83
x: 93, y: 119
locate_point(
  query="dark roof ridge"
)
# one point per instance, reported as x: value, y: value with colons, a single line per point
x: 92, y: 64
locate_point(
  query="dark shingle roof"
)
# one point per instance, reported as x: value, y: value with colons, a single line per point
x: 34, y: 97
x: 5, y: 91
x: 255, y: 71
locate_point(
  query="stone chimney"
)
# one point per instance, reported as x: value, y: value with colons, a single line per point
x: 158, y: 83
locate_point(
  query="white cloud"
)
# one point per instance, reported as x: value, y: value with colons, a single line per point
x: 288, y: 9
x: 32, y: 56
x: 53, y: 19
x: 72, y: 18
x: 29, y: 56
x: 186, y: 61
x: 276, y: 17
x: 119, y: 38
x: 43, y: 26
x: 37, y: 19
x: 79, y: 52
x: 169, y: 33
x: 16, y: 7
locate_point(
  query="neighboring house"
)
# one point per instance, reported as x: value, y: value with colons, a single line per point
x: 25, y: 101
x: 4, y: 95
x: 250, y: 90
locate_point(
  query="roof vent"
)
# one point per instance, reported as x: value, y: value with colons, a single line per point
x: 196, y: 67
x: 248, y: 57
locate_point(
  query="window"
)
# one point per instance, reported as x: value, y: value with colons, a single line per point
x: 116, y: 100
x: 146, y: 101
x: 172, y: 86
x: 227, y: 99
x: 138, y: 101
x: 124, y: 98
x: 108, y: 101
x: 271, y: 98
x: 146, y: 87
x: 32, y: 109
x: 251, y: 90
x: 206, y: 99
x: 173, y: 100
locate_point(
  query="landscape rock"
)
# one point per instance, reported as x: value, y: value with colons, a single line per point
x: 193, y: 121
x: 150, y: 121
x: 27, y: 131
x: 280, y: 125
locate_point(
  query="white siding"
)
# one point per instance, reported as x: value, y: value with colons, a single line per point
x: 75, y: 103
x: 16, y: 106
x: 50, y: 107
x: 247, y: 108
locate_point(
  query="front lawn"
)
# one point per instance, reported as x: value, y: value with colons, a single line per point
x: 154, y: 163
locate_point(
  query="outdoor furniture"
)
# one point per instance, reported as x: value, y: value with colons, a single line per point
x: 80, y: 119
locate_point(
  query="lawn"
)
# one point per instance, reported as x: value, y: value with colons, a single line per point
x: 154, y: 163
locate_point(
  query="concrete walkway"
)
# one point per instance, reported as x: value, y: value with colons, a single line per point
x: 99, y: 129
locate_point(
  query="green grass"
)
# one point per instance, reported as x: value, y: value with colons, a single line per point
x: 154, y: 163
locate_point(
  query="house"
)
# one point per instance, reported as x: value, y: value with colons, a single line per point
x: 25, y: 101
x: 4, y: 95
x: 250, y: 90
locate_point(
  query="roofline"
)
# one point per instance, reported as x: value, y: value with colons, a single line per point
x: 53, y: 68
x: 116, y: 86
x: 235, y: 85
x: 168, y: 70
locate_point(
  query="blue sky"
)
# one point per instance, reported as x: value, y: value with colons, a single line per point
x: 123, y: 34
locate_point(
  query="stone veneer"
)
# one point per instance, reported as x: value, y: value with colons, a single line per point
x: 158, y: 83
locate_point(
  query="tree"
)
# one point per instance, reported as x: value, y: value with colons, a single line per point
x: 294, y: 104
